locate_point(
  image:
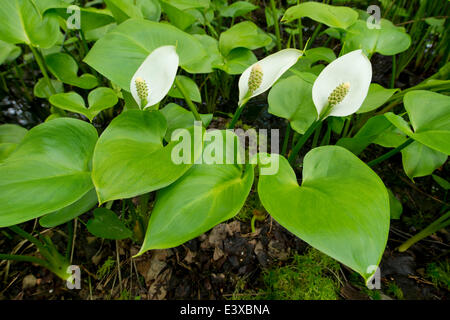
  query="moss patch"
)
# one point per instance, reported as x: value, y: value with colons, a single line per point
x: 307, y: 277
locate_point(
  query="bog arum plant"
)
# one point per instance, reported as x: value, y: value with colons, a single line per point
x: 154, y: 78
x: 339, y: 91
x: 260, y: 76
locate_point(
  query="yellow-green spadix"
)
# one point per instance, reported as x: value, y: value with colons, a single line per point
x: 260, y: 76
x: 154, y: 78
x: 342, y: 86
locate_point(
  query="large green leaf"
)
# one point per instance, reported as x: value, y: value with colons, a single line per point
x: 332, y: 16
x: 205, y: 196
x: 419, y: 160
x: 82, y: 205
x: 65, y: 69
x: 341, y: 208
x: 243, y: 35
x: 49, y: 170
x: 429, y: 113
x: 10, y: 137
x: 120, y: 53
x: 388, y: 40
x: 291, y: 99
x: 130, y: 158
x: 22, y: 22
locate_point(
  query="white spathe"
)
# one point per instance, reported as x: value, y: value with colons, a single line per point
x: 158, y: 71
x: 273, y: 67
x: 353, y: 68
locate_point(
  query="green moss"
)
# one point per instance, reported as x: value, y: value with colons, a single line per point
x: 252, y: 203
x: 395, y: 291
x: 439, y: 274
x: 307, y: 277
x: 106, y: 268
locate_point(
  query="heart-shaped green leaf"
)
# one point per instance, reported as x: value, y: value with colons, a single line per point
x: 341, y: 208
x: 130, y: 158
x: 82, y: 205
x: 388, y: 40
x: 120, y: 53
x: 98, y: 99
x: 49, y: 170
x: 291, y: 99
x: 106, y: 224
x: 243, y: 35
x: 65, y: 69
x: 429, y: 113
x: 332, y: 16
x: 22, y: 22
x: 205, y: 196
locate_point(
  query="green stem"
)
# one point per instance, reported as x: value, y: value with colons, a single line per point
x: 17, y: 257
x: 394, y: 67
x: 237, y: 114
x: 286, y: 138
x: 252, y: 224
x: 317, y: 135
x: 20, y: 76
x: 27, y: 236
x: 314, y: 35
x: 390, y: 153
x: 440, y: 223
x: 300, y: 33
x: 41, y: 65
x: 69, y: 239
x: 346, y: 127
x: 302, y: 141
x: 187, y: 99
x: 275, y: 23
x: 326, y: 138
